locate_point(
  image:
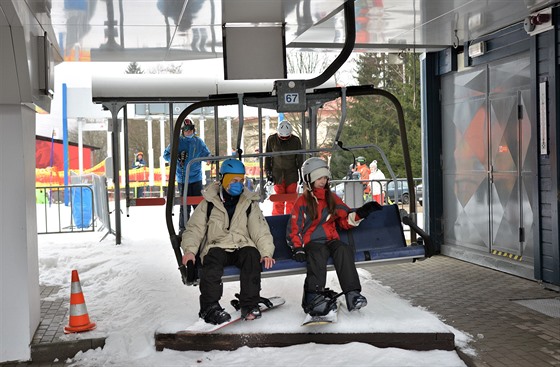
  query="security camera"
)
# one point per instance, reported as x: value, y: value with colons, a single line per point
x: 528, y: 25
x: 541, y: 20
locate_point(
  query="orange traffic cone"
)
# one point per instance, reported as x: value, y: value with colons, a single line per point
x: 79, y: 319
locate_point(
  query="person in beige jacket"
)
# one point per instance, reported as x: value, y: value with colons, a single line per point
x: 235, y: 233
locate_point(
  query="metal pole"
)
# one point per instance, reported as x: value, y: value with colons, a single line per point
x: 80, y: 146
x: 228, y: 135
x: 65, y: 141
x: 150, y: 152
x: 114, y: 127
x: 161, y: 150
x: 126, y: 178
x: 201, y: 119
x: 241, y: 121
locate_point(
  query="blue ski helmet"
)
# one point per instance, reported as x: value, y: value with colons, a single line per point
x: 232, y: 166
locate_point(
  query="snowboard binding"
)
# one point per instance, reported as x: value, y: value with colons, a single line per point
x: 265, y: 301
x: 320, y: 303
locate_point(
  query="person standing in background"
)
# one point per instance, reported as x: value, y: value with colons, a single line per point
x: 190, y: 147
x: 377, y: 183
x: 139, y: 162
x: 283, y: 170
x: 363, y: 169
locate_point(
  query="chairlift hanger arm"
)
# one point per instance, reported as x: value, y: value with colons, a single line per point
x: 349, y: 41
x: 227, y: 101
x: 241, y: 122
x: 176, y: 240
x: 342, y: 116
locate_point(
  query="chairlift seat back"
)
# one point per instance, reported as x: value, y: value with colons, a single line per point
x: 378, y: 238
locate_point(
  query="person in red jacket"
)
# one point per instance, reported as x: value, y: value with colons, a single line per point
x: 313, y: 237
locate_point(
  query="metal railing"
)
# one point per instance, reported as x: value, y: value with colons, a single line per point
x: 387, y: 194
x: 65, y: 209
x: 386, y: 188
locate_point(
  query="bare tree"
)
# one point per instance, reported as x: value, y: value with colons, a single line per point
x: 315, y: 63
x: 167, y: 69
x: 304, y: 62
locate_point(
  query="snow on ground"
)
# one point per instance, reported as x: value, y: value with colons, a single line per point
x: 134, y: 289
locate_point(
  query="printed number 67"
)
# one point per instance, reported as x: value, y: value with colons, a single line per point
x: 292, y: 98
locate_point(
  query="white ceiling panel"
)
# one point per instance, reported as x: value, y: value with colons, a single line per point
x: 171, y: 30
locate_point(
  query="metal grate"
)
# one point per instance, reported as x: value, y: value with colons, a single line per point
x: 547, y: 306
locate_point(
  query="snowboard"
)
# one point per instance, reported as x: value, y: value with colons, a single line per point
x: 203, y: 327
x: 329, y: 318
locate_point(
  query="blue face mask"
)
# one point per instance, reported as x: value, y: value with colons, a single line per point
x: 235, y: 188
x: 189, y: 136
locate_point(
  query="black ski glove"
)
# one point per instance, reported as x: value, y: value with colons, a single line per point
x: 299, y: 255
x: 269, y: 177
x: 191, y: 273
x: 182, y: 158
x: 368, y: 208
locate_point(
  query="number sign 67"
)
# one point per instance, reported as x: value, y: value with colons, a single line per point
x: 291, y: 98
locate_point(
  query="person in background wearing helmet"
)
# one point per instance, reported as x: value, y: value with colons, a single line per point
x: 363, y: 169
x: 283, y: 170
x: 377, y: 179
x: 312, y: 235
x: 190, y: 146
x: 139, y: 162
x: 235, y: 233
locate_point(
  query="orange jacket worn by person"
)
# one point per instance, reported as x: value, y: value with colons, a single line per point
x: 364, y: 171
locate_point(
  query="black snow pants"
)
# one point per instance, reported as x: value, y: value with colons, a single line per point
x: 318, y: 254
x: 247, y: 259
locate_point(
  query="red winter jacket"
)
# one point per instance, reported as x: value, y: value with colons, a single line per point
x: 302, y: 230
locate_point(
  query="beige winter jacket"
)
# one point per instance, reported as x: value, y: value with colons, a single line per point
x: 245, y: 230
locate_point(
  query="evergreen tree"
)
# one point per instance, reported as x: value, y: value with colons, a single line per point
x: 373, y: 120
x: 134, y: 68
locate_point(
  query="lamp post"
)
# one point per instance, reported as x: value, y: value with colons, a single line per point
x: 161, y: 160
x: 150, y: 153
x: 202, y: 119
x: 228, y: 135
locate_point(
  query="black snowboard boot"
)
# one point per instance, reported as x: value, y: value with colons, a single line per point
x: 355, y: 301
x: 316, y: 304
x: 214, y: 314
x: 250, y: 313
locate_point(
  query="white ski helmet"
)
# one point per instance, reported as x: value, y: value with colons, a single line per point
x: 313, y: 169
x: 284, y: 129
